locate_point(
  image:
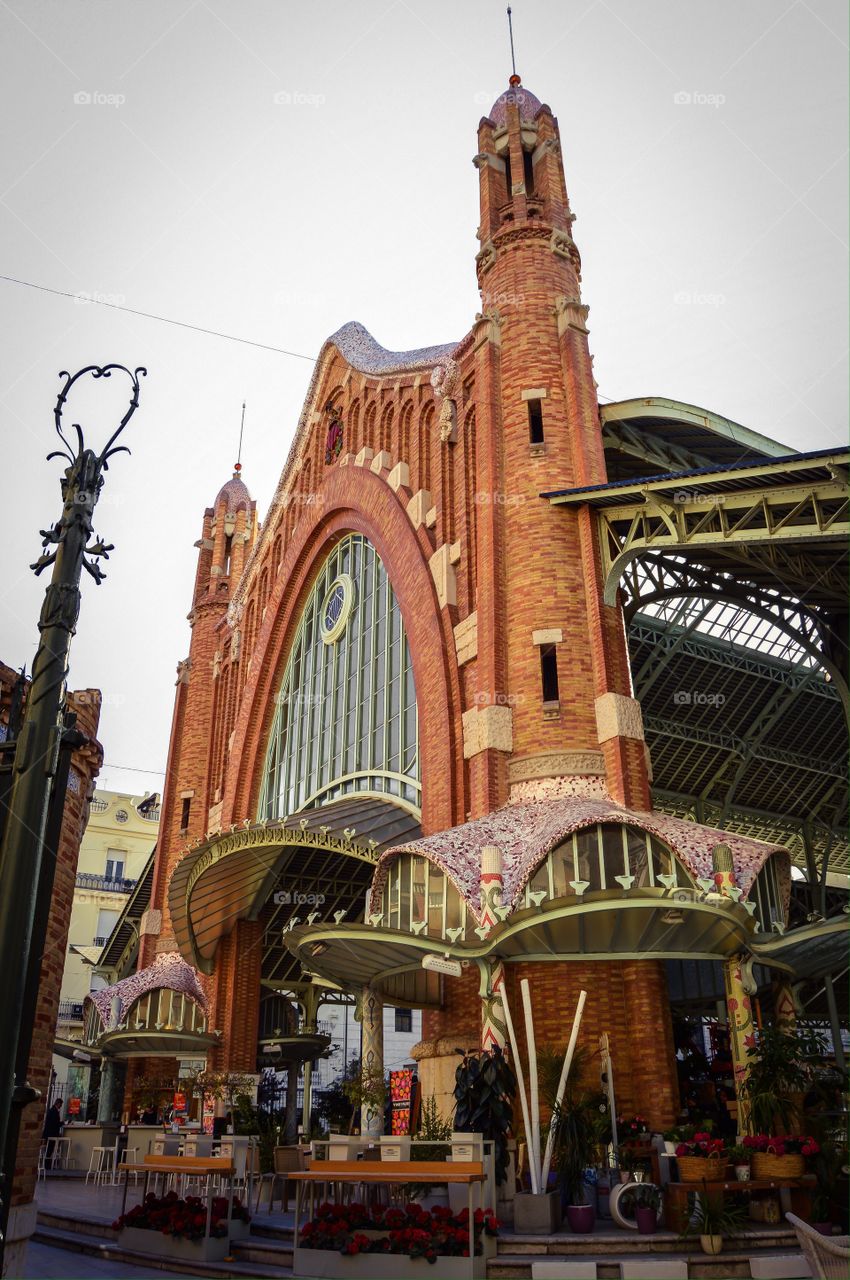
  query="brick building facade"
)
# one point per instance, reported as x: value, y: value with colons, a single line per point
x: 85, y: 766
x: 516, y: 785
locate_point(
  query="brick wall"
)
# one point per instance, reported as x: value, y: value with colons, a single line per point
x: 85, y: 765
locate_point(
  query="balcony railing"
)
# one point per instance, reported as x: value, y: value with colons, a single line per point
x: 149, y: 815
x: 98, y: 942
x: 70, y: 1011
x: 107, y: 884
x: 98, y: 806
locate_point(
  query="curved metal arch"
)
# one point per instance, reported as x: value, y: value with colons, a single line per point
x: 742, y: 599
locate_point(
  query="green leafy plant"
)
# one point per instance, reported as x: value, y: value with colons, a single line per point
x: 434, y: 1129
x: 365, y: 1091
x: 780, y: 1064
x: 647, y: 1196
x: 485, y: 1088
x: 576, y: 1122
x: 827, y: 1165
x: 739, y: 1154
x: 713, y: 1216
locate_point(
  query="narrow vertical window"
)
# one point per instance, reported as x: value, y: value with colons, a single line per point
x: 184, y: 816
x: 528, y: 173
x: 535, y: 421
x: 549, y: 672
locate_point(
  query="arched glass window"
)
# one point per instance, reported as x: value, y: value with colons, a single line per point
x: 346, y: 718
x: 768, y: 897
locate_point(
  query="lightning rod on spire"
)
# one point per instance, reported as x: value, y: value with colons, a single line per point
x: 511, y: 34
x: 238, y: 466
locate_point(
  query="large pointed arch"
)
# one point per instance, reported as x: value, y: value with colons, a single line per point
x: 354, y: 500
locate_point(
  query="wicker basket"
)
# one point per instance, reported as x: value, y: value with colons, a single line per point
x: 766, y: 1164
x: 697, y: 1168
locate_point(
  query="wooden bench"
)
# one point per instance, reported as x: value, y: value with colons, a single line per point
x: 799, y: 1195
x: 197, y: 1166
x: 337, y: 1174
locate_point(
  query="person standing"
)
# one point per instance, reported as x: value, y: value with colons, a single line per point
x: 52, y: 1130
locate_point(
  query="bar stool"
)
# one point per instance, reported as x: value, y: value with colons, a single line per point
x: 41, y: 1171
x: 101, y: 1164
x: 130, y: 1156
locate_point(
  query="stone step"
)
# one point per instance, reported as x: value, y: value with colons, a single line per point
x: 601, y: 1243
x: 786, y: 1265
x: 263, y: 1251
x: 95, y: 1247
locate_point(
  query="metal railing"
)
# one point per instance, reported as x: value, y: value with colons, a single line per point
x: 108, y: 884
x: 98, y: 942
x: 150, y: 815
x: 70, y: 1011
x: 98, y: 806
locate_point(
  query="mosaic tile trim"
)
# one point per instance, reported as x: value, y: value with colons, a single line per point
x: 169, y: 970
x: 527, y: 832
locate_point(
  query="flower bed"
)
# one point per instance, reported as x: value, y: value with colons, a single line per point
x: 701, y: 1157
x: 170, y: 1225
x: 335, y: 1241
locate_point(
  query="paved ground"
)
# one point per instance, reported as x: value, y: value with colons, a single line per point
x: 103, y: 1204
x: 46, y: 1263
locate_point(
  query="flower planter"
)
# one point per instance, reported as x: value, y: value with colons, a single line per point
x: 768, y: 1165
x: 342, y: 1147
x: 742, y: 1172
x: 538, y: 1215
x: 697, y: 1168
x: 711, y: 1244
x: 328, y: 1264
x: 646, y: 1219
x: 670, y: 1147
x: 395, y: 1147
x: 581, y: 1218
x: 212, y: 1249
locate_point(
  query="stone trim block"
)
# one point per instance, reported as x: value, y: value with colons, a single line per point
x: 466, y: 639
x: 399, y: 477
x: 443, y: 573
x: 381, y: 462
x: 487, y: 728
x: 554, y: 635
x: 364, y: 456
x: 618, y: 717
x: 418, y: 507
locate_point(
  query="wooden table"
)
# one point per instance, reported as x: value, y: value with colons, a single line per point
x: 799, y: 1194
x: 339, y: 1173
x: 197, y: 1166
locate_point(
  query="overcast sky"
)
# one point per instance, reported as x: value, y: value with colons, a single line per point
x: 271, y: 170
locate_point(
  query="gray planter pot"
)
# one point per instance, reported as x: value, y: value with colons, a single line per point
x: 537, y: 1215
x: 154, y: 1242
x: 328, y: 1264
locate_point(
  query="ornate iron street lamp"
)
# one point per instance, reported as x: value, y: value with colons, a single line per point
x: 26, y: 881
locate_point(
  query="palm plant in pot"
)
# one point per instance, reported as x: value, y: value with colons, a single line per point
x: 647, y: 1199
x: 485, y: 1087
x: 713, y: 1219
x: 574, y: 1145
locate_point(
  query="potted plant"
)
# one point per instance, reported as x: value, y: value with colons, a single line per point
x: 739, y: 1157
x: 672, y: 1138
x: 783, y: 1157
x: 712, y: 1219
x: 828, y: 1164
x: 647, y: 1206
x: 485, y: 1087
x: 574, y: 1149
x: 781, y: 1064
x: 700, y: 1157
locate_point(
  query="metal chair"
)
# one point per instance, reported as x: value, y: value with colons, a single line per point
x: 101, y: 1163
x: 41, y: 1171
x: 286, y: 1160
x: 827, y: 1256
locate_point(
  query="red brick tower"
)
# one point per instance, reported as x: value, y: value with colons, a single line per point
x: 553, y: 707
x: 192, y: 789
x: 550, y: 639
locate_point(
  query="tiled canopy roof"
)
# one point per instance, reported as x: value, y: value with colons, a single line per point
x: 235, y: 494
x: 527, y: 832
x: 169, y: 970
x: 356, y: 344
